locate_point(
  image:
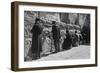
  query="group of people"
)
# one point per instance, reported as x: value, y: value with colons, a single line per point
x: 45, y: 42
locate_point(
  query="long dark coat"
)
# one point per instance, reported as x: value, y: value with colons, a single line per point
x: 67, y: 44
x: 36, y: 31
x: 56, y: 37
x: 56, y: 32
x: 75, y: 40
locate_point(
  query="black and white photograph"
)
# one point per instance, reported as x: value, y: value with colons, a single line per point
x: 56, y: 36
x: 52, y: 36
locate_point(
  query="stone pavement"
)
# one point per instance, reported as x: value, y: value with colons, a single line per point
x: 80, y: 52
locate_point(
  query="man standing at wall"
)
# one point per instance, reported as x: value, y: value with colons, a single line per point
x: 36, y: 31
x: 56, y: 36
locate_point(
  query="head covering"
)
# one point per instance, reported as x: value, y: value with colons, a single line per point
x: 37, y: 19
x: 45, y: 29
x: 75, y: 31
x: 53, y: 22
x: 67, y: 31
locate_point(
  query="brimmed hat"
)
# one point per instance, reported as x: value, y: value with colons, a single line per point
x: 37, y: 19
x: 53, y: 22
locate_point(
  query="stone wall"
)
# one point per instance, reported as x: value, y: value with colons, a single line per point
x: 29, y: 20
x: 68, y: 18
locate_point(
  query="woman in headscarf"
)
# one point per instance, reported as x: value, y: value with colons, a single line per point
x: 46, y: 42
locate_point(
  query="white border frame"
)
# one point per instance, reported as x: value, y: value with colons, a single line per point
x: 34, y: 64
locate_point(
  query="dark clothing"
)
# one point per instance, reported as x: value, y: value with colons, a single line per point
x: 36, y: 31
x: 56, y: 45
x: 75, y: 40
x: 67, y: 42
x: 80, y: 39
x: 55, y: 32
x: 56, y: 37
